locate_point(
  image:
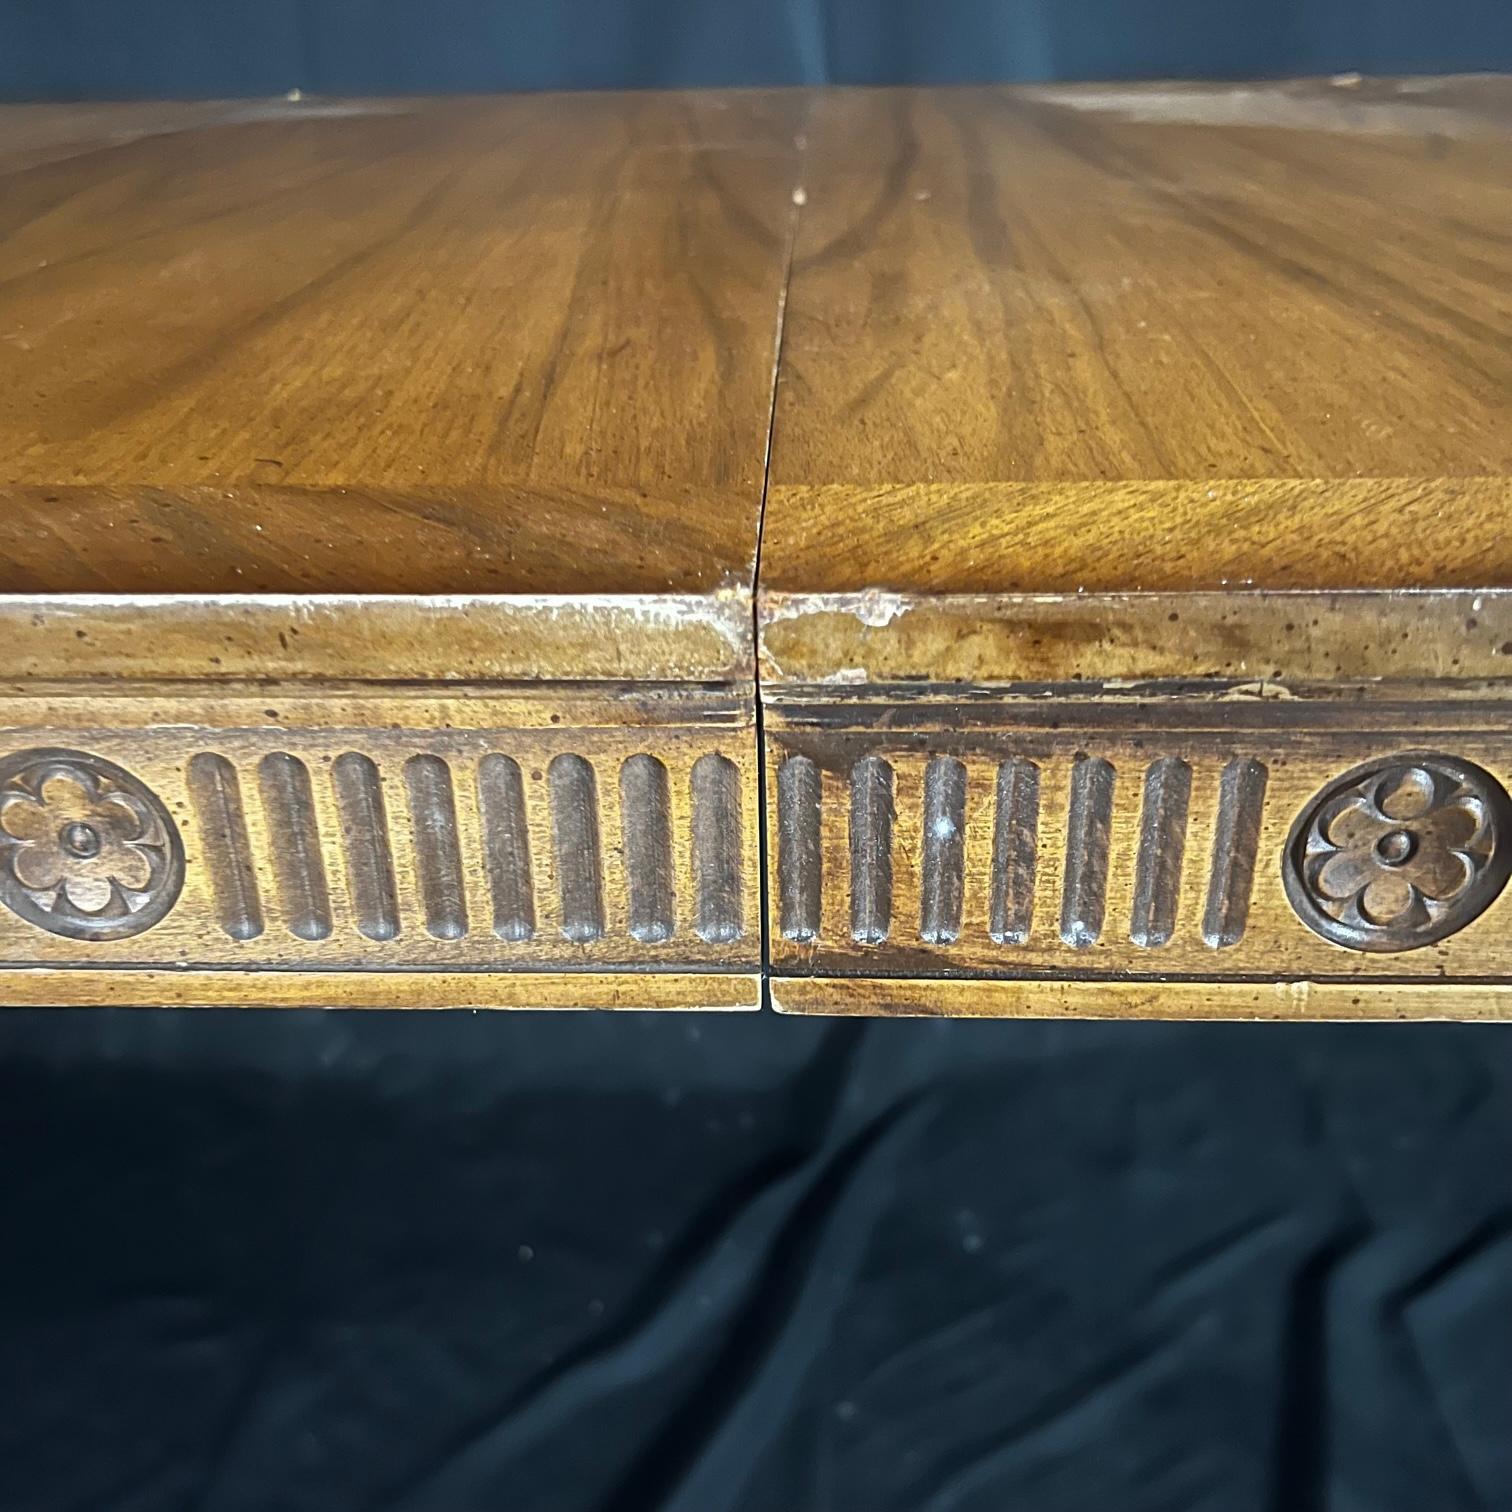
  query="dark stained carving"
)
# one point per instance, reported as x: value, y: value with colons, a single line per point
x: 369, y: 857
x: 438, y: 851
x: 1236, y: 838
x: 294, y: 845
x: 1015, y: 846
x: 1399, y: 853
x: 1162, y: 846
x: 575, y: 836
x: 646, y: 823
x: 86, y: 850
x: 717, y: 844
x: 799, y: 864
x: 298, y: 865
x: 215, y: 790
x: 942, y: 871
x: 1109, y: 839
x: 506, y: 846
x: 1089, y: 823
x: 871, y: 824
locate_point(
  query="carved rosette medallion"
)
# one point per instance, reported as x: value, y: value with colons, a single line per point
x: 1400, y: 853
x: 86, y: 850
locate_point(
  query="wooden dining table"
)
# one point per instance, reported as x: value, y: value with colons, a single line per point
x: 989, y: 551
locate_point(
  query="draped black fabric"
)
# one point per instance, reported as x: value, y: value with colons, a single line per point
x: 269, y: 1262
x: 745, y: 1264
x: 63, y: 49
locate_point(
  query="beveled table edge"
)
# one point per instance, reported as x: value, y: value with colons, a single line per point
x: 644, y: 637
x: 1256, y: 636
x: 1297, y: 1001
x: 698, y: 992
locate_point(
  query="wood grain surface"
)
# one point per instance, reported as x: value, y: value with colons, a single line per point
x: 1133, y: 533
x: 1143, y: 337
x: 1120, y: 473
x: 508, y: 345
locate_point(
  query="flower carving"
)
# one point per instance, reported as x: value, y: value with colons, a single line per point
x: 86, y: 850
x: 1400, y: 853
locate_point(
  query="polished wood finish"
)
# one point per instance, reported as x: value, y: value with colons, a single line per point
x: 1134, y: 632
x: 513, y: 345
x: 379, y: 491
x: 1086, y: 339
x: 405, y: 504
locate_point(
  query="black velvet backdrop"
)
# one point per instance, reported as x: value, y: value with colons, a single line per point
x: 474, y: 1263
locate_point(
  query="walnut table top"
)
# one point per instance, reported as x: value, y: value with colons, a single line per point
x: 408, y: 506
